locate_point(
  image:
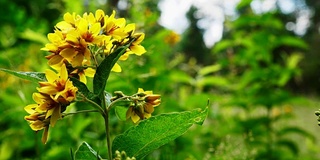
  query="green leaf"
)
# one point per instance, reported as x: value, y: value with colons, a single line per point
x: 295, y: 130
x: 31, y: 76
x: 82, y: 88
x: 121, y: 112
x: 150, y: 134
x: 289, y: 144
x: 88, y: 95
x: 104, y: 69
x: 291, y: 41
x: 85, y: 152
x: 179, y: 76
x: 34, y: 36
x: 209, y: 69
x: 223, y: 45
x: 212, y: 81
x: 293, y: 60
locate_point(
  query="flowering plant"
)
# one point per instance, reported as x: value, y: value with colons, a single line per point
x: 90, y: 46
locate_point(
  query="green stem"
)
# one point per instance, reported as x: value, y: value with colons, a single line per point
x: 117, y: 100
x: 82, y: 111
x: 106, y: 123
x: 95, y: 105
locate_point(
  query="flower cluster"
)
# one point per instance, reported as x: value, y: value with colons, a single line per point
x: 51, y: 100
x: 79, y: 42
x: 77, y: 47
x: 142, y: 105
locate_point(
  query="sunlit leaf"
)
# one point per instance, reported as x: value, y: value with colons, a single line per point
x: 293, y: 60
x: 85, y: 152
x: 209, y: 69
x: 31, y: 76
x: 212, y: 81
x: 223, y: 45
x: 138, y: 141
x: 179, y: 76
x: 284, y: 78
x: 31, y: 35
x: 292, y: 41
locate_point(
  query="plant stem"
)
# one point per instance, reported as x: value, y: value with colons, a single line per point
x: 82, y: 111
x: 95, y: 105
x: 118, y: 100
x: 106, y: 123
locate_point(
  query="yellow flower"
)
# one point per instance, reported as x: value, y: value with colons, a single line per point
x: 55, y: 95
x: 59, y: 87
x: 69, y: 23
x: 57, y: 41
x: 143, y: 106
x: 90, y: 32
x: 37, y: 121
x: 78, y: 51
x: 135, y: 47
x: 49, y: 107
x: 57, y: 44
x: 99, y: 15
x: 115, y: 27
x: 172, y: 39
x: 78, y: 39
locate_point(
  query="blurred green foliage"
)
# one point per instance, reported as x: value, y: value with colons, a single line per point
x: 253, y: 113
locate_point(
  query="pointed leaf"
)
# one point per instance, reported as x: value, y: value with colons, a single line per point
x: 82, y: 88
x: 289, y: 144
x: 209, y: 69
x: 104, y: 69
x: 295, y: 130
x: 31, y: 76
x: 85, y: 152
x: 150, y: 134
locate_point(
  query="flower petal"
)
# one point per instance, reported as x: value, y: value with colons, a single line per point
x: 63, y: 73
x: 30, y: 108
x: 68, y: 53
x: 134, y: 117
x: 45, y: 135
x: 55, y: 116
x: 77, y: 60
x: 138, y: 49
x: 83, y: 78
x: 56, y: 59
x: 89, y: 72
x: 149, y: 108
x: 51, y: 76
x: 116, y: 68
